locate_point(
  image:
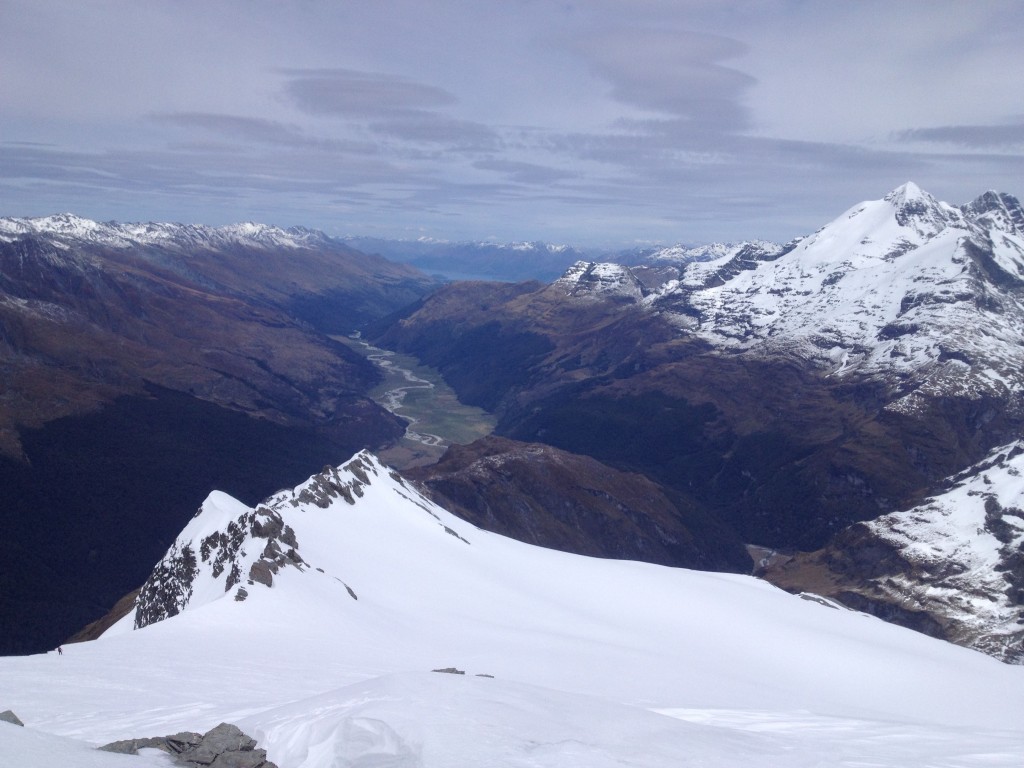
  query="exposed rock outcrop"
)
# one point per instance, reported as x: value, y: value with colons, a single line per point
x: 222, y: 747
x: 7, y: 716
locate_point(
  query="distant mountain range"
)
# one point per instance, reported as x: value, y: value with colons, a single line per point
x: 514, y: 262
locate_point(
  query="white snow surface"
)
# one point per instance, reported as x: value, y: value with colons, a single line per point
x: 685, y: 255
x: 594, y: 662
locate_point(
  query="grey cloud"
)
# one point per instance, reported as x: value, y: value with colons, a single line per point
x: 430, y: 128
x: 261, y: 131
x: 982, y: 136
x: 525, y: 173
x: 679, y: 73
x: 349, y: 93
x: 389, y: 106
x: 252, y: 128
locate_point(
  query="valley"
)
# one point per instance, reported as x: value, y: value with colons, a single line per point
x: 420, y: 395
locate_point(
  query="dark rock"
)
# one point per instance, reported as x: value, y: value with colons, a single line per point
x: 450, y: 671
x: 7, y: 716
x: 225, y: 746
x: 224, y: 738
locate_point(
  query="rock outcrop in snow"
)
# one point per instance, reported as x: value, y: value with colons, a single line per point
x: 229, y: 546
x: 222, y: 747
x: 952, y: 567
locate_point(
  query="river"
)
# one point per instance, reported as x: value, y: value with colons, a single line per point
x: 420, y: 396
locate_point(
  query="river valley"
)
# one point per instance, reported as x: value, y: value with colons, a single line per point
x: 420, y: 396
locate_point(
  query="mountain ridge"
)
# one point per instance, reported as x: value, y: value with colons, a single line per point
x: 610, y: 662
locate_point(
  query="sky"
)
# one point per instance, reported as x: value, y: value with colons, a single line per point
x: 595, y: 123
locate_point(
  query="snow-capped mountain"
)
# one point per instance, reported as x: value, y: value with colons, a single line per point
x: 905, y: 287
x: 552, y: 659
x: 684, y: 255
x: 66, y: 229
x: 952, y: 566
x: 600, y: 281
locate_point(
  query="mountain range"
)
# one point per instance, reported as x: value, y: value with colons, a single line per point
x: 788, y: 392
x: 838, y: 412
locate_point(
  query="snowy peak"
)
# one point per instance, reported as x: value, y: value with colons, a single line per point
x: 588, y: 279
x: 956, y: 559
x: 229, y: 548
x: 998, y: 211
x: 67, y: 229
x: 894, y: 288
x: 917, y: 210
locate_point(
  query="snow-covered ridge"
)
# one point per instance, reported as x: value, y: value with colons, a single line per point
x: 567, y: 660
x: 907, y: 288
x: 599, y: 280
x: 67, y: 229
x: 229, y: 548
x: 897, y: 285
x: 683, y: 254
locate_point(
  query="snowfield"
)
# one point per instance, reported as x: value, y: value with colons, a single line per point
x: 568, y: 660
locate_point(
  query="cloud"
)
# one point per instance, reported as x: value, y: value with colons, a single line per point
x: 242, y: 131
x: 679, y: 73
x: 429, y: 128
x: 250, y: 128
x: 978, y: 136
x: 387, y: 106
x: 526, y: 173
x: 350, y: 93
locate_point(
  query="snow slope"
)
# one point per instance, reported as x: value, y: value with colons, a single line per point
x: 594, y: 662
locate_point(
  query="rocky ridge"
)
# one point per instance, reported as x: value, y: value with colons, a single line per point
x: 193, y: 356
x: 228, y: 546
x: 952, y: 567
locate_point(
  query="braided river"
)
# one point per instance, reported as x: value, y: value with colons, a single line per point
x: 419, y: 395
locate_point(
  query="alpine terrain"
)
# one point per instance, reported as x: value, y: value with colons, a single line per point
x: 143, y: 365
x: 350, y: 621
x: 788, y: 392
